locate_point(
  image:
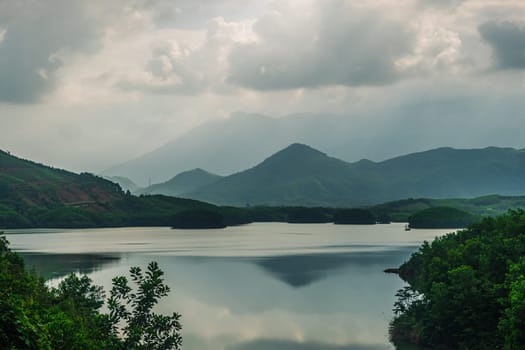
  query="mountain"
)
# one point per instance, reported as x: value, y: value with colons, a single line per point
x: 239, y: 142
x: 222, y: 147
x: 301, y: 175
x: 35, y: 195
x: 296, y: 175
x: 31, y: 183
x: 184, y: 182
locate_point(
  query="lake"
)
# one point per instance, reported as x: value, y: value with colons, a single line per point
x: 263, y: 286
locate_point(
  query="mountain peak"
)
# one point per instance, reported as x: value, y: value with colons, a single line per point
x: 296, y: 153
x: 296, y: 149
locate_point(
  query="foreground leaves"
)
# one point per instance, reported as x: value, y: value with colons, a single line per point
x: 33, y: 316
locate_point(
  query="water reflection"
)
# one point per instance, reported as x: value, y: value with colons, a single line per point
x: 57, y: 265
x: 303, y: 270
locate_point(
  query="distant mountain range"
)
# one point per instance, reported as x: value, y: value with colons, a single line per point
x: 35, y: 195
x: 233, y: 144
x: 182, y: 183
x: 301, y: 175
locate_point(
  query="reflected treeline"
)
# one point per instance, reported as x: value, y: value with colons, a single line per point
x: 303, y: 270
x: 57, y: 265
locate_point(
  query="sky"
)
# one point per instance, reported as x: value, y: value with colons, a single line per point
x: 88, y: 84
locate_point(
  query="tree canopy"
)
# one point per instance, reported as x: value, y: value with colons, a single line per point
x: 466, y: 290
x: 34, y: 316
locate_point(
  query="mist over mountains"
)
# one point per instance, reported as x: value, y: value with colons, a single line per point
x: 241, y: 141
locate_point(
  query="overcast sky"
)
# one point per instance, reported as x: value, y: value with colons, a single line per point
x: 87, y: 84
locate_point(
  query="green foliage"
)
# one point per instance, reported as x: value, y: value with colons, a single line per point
x: 143, y: 329
x: 466, y: 290
x: 33, y: 316
x: 441, y: 217
x: 354, y: 216
x: 492, y: 205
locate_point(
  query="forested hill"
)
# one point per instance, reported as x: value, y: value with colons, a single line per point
x: 301, y: 175
x: 35, y: 195
x: 30, y: 183
x: 296, y: 175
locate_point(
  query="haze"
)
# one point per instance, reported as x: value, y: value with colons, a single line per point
x: 85, y: 85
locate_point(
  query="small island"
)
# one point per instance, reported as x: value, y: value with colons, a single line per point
x: 441, y: 217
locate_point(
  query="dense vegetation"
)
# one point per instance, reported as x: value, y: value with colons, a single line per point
x: 34, y: 316
x: 441, y: 217
x: 491, y: 205
x: 466, y: 290
x: 354, y: 216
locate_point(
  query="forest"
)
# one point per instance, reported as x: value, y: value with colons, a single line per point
x: 466, y: 290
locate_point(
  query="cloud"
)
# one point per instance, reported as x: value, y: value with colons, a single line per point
x: 507, y: 40
x: 175, y: 67
x: 442, y: 3
x: 195, y: 14
x: 33, y: 37
x: 334, y: 43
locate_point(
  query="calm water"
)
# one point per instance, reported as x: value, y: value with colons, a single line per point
x: 264, y: 286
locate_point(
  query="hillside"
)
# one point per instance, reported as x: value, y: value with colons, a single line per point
x: 184, y: 182
x: 301, y: 175
x: 31, y: 183
x: 35, y: 195
x: 297, y: 175
x: 449, y: 172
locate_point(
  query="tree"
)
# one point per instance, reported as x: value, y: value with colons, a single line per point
x: 132, y: 316
x: 33, y: 316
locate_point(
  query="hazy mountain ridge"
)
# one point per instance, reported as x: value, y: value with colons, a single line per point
x: 239, y: 142
x: 301, y: 175
x: 184, y: 182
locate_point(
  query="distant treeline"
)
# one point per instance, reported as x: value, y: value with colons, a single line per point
x: 159, y: 210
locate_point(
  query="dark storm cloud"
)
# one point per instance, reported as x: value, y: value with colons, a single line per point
x: 338, y: 45
x: 34, y: 33
x: 507, y: 40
